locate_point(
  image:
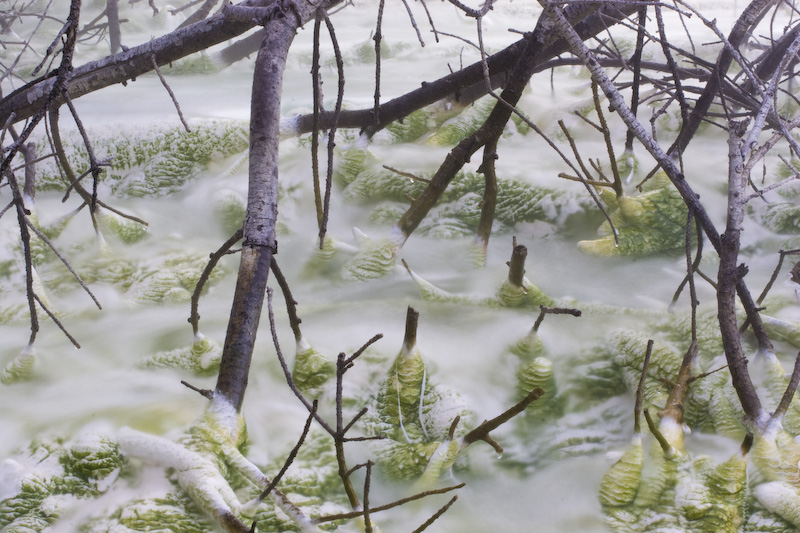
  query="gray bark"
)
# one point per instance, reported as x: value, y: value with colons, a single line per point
x: 262, y: 202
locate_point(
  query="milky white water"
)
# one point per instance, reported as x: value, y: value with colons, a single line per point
x: 102, y: 388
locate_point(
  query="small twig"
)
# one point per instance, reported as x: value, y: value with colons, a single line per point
x: 194, y: 317
x: 291, y: 304
x: 377, y: 38
x: 489, y: 202
x: 63, y: 260
x: 543, y: 310
x: 430, y: 20
x: 636, y: 60
x: 788, y: 395
x: 370, y: 342
x: 409, y: 175
x: 367, y: 480
x: 291, y: 455
x: 665, y: 446
x: 414, y: 23
x: 594, y: 183
x: 285, y: 367
x: 436, y: 515
x: 169, y: 90
x: 612, y: 158
x: 706, y: 374
x: 782, y: 254
x: 316, y: 89
x: 56, y: 320
x: 94, y: 164
x: 355, y: 419
x: 637, y: 428
x: 482, y: 431
x: 396, y: 503
x: 337, y: 110
x: 205, y: 393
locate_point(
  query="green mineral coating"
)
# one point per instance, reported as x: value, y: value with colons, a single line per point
x: 621, y: 483
x: 230, y: 210
x: 777, y: 457
x: 630, y: 348
x: 780, y: 217
x: 365, y: 52
x: 763, y: 521
x: 517, y: 201
x: 202, y: 358
x: 314, y: 473
x: 401, y: 389
x: 311, y: 369
x: 375, y: 260
x: 595, y: 376
x: 351, y: 163
x: 21, y: 368
x: 432, y: 293
x: 388, y: 214
x: 129, y: 231
x: 412, y: 127
x: 201, y: 63
x: 714, y: 407
x: 440, y: 406
x: 528, y: 347
x: 466, y: 123
x: 208, y: 437
x: 781, y: 498
x: 403, y: 461
x: 783, y: 329
x: 533, y: 374
x: 627, y: 164
x: 323, y: 261
x: 172, y: 280
x: 714, y: 500
x: 440, y: 462
x: 728, y: 481
x: 528, y: 295
x: 153, y: 162
x: 60, y: 475
x: 377, y: 183
x: 652, y: 222
x: 173, y: 512
x: 657, y: 487
x: 13, y: 312
x: 678, y: 328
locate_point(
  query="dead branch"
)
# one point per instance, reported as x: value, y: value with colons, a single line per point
x: 637, y: 409
x: 259, y: 242
x: 194, y: 317
x: 396, y: 503
x: 335, y: 124
x: 544, y: 310
x: 171, y: 94
x: 482, y: 431
x: 788, y: 395
x: 436, y: 515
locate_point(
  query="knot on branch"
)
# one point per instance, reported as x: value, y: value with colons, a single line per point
x: 261, y: 15
x: 741, y: 271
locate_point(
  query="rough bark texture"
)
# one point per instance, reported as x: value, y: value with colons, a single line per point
x: 262, y: 211
x: 729, y: 277
x: 468, y: 83
x: 126, y: 65
x: 535, y: 49
x: 744, y: 25
x: 262, y: 202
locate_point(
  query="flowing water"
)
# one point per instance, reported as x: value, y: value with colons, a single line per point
x: 103, y: 386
